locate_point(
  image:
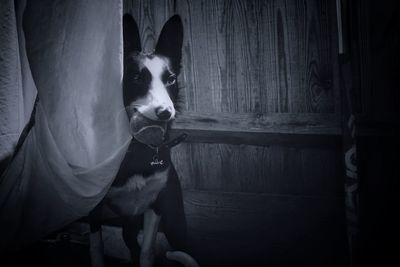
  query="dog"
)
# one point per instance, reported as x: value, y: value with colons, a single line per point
x: 146, y: 191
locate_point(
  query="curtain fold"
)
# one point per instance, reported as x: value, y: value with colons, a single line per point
x: 17, y: 93
x: 70, y: 54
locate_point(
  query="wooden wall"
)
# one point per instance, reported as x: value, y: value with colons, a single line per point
x: 261, y: 169
x: 375, y: 29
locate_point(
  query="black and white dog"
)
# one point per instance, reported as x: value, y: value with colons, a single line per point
x: 146, y: 192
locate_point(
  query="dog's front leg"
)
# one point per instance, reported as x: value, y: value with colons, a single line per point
x: 96, y: 246
x: 150, y: 228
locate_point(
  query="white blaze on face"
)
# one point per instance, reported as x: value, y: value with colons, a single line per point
x: 157, y: 96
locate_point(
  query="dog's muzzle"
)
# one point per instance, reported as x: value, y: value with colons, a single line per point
x: 147, y: 131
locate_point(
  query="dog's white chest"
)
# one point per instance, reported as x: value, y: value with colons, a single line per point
x: 137, y: 194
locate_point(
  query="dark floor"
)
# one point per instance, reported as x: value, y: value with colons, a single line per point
x: 60, y: 254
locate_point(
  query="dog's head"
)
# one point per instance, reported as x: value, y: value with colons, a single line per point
x: 150, y: 88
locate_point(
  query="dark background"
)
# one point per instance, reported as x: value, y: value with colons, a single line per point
x: 263, y: 169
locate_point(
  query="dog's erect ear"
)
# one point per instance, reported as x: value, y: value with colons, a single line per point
x: 131, y: 35
x: 170, y: 41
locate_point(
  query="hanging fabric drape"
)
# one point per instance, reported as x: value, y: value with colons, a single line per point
x: 17, y: 91
x: 70, y: 156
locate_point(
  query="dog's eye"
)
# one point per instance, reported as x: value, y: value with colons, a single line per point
x: 171, y: 80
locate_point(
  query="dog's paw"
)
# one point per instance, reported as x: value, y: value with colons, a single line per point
x: 146, y: 259
x: 182, y: 257
x: 161, y: 243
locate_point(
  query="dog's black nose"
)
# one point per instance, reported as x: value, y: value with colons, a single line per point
x: 164, y: 113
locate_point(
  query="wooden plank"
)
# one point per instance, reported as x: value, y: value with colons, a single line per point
x: 257, y: 56
x: 143, y: 13
x: 260, y: 129
x: 257, y: 169
x: 270, y: 230
x: 286, y: 123
x: 301, y: 129
x: 258, y: 139
x: 253, y: 53
x: 221, y: 207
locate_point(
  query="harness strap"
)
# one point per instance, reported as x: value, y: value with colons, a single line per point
x: 175, y: 141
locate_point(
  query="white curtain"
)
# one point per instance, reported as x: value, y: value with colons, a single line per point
x: 70, y: 54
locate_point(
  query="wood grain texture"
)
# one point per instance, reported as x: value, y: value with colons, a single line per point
x: 259, y: 139
x: 258, y: 56
x: 236, y: 229
x: 310, y: 129
x: 261, y: 169
x: 310, y: 123
x: 269, y: 169
x: 254, y: 72
x: 249, y: 56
